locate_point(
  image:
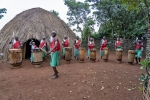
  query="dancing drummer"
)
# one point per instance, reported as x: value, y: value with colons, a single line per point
x: 90, y: 46
x: 118, y: 44
x: 103, y: 44
x: 43, y: 45
x: 76, y: 47
x: 65, y: 43
x: 138, y: 50
x: 33, y: 47
x: 54, y: 50
x: 16, y: 43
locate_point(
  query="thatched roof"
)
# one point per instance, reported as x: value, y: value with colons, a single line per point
x: 33, y: 23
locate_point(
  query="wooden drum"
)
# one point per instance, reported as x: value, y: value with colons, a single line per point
x: 81, y: 54
x: 37, y: 57
x: 68, y: 54
x: 106, y: 54
x: 131, y: 55
x: 119, y: 54
x: 15, y: 57
x: 93, y: 55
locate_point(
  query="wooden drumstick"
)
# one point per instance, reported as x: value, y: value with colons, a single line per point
x: 13, y: 34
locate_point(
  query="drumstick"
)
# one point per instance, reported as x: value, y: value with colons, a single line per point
x: 13, y: 34
x: 43, y: 50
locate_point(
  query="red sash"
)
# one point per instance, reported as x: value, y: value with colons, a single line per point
x: 42, y: 44
x: 118, y: 43
x: 52, y: 44
x: 138, y: 46
x: 103, y: 45
x: 66, y: 43
x: 91, y: 46
x: 77, y: 45
x: 34, y: 46
x: 16, y: 45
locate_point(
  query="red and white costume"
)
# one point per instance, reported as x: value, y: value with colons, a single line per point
x: 16, y: 44
x: 104, y: 44
x: 77, y: 44
x: 91, y: 45
x: 42, y: 43
x: 65, y: 42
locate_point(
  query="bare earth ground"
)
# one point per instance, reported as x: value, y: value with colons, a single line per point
x: 77, y: 81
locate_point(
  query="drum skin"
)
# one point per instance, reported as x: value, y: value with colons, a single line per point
x: 37, y: 55
x: 93, y: 55
x: 119, y: 55
x: 106, y: 54
x: 68, y: 54
x: 81, y: 54
x: 131, y: 55
x: 15, y: 57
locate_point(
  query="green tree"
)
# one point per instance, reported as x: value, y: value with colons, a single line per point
x: 55, y: 13
x: 3, y: 10
x: 114, y: 18
x: 77, y: 14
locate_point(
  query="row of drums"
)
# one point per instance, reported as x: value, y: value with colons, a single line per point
x: 82, y: 54
x: 15, y: 56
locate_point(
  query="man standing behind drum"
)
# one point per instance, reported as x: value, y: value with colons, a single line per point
x: 138, y: 51
x: 43, y: 45
x: 90, y: 46
x: 16, y: 43
x: 54, y: 50
x: 118, y: 44
x: 33, y: 46
x: 76, y: 47
x: 65, y: 43
x: 103, y: 45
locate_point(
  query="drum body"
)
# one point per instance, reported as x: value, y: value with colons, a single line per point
x: 131, y: 55
x: 93, y: 55
x: 68, y: 54
x: 15, y: 57
x: 81, y: 54
x: 119, y: 54
x: 37, y: 55
x: 106, y: 54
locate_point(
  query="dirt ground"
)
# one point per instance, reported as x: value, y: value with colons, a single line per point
x: 77, y: 81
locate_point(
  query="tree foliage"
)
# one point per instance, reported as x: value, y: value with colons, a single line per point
x: 3, y: 10
x: 55, y: 13
x: 77, y: 14
x: 127, y: 18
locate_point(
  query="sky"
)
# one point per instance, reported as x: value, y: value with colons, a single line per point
x: 15, y: 7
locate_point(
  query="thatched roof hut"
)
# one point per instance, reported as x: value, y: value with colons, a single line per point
x: 33, y: 24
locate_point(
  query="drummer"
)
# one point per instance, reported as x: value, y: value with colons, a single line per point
x: 90, y: 46
x: 103, y: 44
x: 33, y: 46
x: 54, y: 50
x: 76, y: 47
x: 138, y: 50
x: 118, y: 44
x: 65, y: 43
x: 43, y: 45
x: 16, y: 43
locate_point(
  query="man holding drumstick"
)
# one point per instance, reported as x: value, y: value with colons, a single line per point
x: 54, y: 50
x: 103, y: 45
x: 90, y: 46
x: 65, y: 43
x: 76, y: 47
x: 118, y: 43
x: 16, y: 43
x: 43, y: 45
